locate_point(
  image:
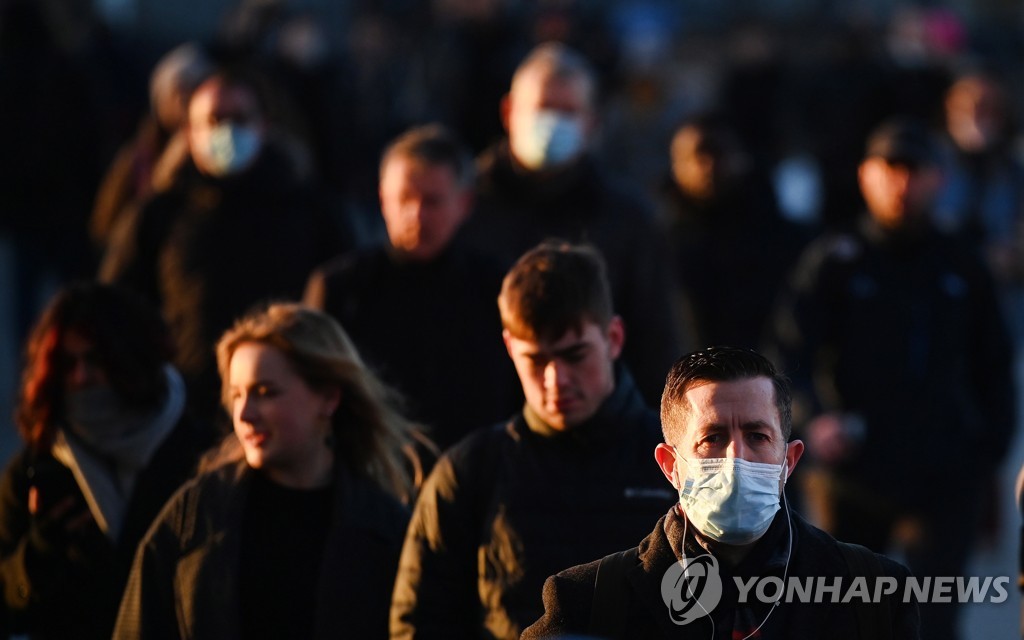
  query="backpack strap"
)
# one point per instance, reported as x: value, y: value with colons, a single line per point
x: 609, y: 608
x: 874, y: 620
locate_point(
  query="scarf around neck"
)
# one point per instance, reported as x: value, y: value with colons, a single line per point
x: 106, y: 470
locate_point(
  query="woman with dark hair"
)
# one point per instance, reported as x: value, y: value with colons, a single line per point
x: 296, y: 529
x: 107, y: 443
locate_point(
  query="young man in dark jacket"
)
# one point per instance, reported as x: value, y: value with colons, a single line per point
x: 566, y: 479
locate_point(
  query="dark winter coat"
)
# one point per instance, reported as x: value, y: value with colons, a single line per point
x: 510, y: 505
x: 184, y: 580
x: 730, y: 257
x: 568, y: 596
x: 430, y: 329
x: 208, y: 249
x: 906, y: 332
x: 72, y: 588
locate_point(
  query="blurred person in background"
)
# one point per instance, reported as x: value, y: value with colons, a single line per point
x: 982, y: 197
x: 240, y: 224
x: 294, y: 528
x: 421, y: 310
x: 301, y: 49
x: 149, y: 161
x: 903, y: 369
x: 102, y: 413
x: 544, y: 182
x: 731, y: 247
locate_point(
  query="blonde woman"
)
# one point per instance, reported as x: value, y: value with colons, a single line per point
x: 296, y: 529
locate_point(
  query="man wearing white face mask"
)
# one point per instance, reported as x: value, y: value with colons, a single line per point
x: 543, y: 182
x: 241, y: 223
x: 726, y: 421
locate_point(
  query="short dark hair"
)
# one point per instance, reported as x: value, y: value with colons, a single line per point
x: 436, y: 145
x: 555, y: 287
x: 719, y: 364
x: 131, y: 340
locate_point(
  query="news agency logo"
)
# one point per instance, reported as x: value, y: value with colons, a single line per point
x: 692, y: 589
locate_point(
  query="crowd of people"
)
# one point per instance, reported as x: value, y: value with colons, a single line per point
x: 266, y: 401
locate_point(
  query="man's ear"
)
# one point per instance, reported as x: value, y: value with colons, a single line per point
x: 505, y: 110
x: 616, y: 335
x: 666, y: 457
x: 794, y: 452
x: 506, y: 337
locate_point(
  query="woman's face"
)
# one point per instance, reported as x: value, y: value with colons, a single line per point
x: 81, y: 363
x: 281, y: 422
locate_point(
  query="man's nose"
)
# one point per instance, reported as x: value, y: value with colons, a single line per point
x: 556, y: 375
x: 901, y: 178
x: 414, y: 210
x: 735, y: 449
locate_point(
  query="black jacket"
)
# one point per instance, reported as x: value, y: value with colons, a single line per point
x: 208, y: 249
x: 730, y: 258
x: 568, y: 596
x: 516, y: 210
x: 184, y: 580
x: 72, y: 589
x: 905, y: 331
x: 510, y: 505
x: 431, y: 330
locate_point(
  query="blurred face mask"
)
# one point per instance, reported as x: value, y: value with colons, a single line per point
x: 547, y: 139
x: 231, y: 148
x: 730, y: 500
x: 97, y: 413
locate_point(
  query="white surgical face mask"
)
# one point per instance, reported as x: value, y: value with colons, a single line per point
x: 730, y: 500
x: 232, y: 148
x: 547, y: 138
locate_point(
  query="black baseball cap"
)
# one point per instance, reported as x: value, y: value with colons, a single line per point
x: 903, y: 141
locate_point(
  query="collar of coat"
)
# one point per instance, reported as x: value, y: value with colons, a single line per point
x: 612, y: 418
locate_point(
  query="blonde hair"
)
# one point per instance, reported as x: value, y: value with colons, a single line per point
x: 371, y: 437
